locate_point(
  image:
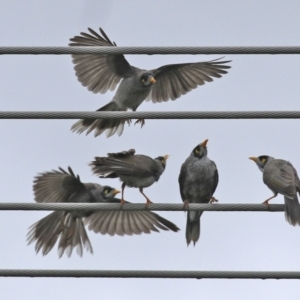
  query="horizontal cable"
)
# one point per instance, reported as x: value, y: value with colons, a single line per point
x: 151, y: 115
x: 152, y: 274
x: 141, y: 206
x: 151, y: 50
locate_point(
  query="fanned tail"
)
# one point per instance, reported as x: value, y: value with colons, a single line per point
x: 61, y: 226
x: 111, y: 126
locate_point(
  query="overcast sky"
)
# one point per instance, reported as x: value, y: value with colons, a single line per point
x: 229, y: 240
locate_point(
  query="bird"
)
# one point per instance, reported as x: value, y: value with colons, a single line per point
x: 103, y: 72
x: 134, y: 170
x: 281, y: 178
x: 198, y: 180
x: 60, y: 186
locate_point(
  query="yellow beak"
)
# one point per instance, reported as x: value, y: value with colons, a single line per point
x: 166, y: 157
x: 152, y: 80
x: 115, y: 192
x: 253, y: 158
x: 203, y: 144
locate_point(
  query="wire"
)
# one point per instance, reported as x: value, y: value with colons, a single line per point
x: 150, y: 50
x: 142, y: 206
x: 151, y: 115
x: 151, y: 274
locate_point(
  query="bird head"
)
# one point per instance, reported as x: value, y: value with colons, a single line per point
x: 200, y: 150
x: 261, y: 161
x: 163, y: 159
x: 147, y: 79
x: 109, y: 192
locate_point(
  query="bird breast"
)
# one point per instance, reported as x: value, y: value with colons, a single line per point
x: 138, y: 182
x: 131, y: 93
x: 199, y: 180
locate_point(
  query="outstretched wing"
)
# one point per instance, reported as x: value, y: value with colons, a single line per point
x: 57, y: 186
x: 127, y: 222
x: 175, y: 80
x: 99, y: 72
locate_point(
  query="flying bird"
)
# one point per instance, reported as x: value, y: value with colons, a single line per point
x: 281, y: 178
x: 198, y: 180
x: 103, y: 72
x: 68, y: 227
x: 134, y: 170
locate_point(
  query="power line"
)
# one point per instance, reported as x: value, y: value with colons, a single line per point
x: 142, y: 206
x: 151, y: 274
x: 150, y: 115
x: 150, y: 50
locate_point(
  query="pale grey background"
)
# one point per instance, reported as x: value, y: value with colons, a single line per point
x: 229, y: 241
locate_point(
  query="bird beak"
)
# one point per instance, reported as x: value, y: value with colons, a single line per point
x: 115, y: 192
x: 253, y: 158
x: 152, y: 80
x: 203, y: 144
x: 166, y: 157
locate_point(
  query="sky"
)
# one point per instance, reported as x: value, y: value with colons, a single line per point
x: 233, y: 241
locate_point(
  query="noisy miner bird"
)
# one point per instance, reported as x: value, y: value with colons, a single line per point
x: 103, y: 72
x: 198, y: 180
x: 68, y: 226
x: 134, y: 170
x: 281, y: 177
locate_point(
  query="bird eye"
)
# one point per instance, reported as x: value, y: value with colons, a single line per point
x: 197, y: 150
x: 263, y: 160
x: 143, y: 79
x: 106, y: 191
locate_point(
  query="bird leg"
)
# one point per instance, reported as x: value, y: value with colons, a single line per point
x: 186, y: 204
x: 147, y: 199
x: 122, y: 198
x: 212, y: 200
x: 267, y: 201
x: 142, y: 121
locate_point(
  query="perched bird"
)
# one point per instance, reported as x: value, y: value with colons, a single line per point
x: 281, y: 177
x: 103, y: 72
x: 68, y: 226
x: 139, y: 171
x: 198, y: 180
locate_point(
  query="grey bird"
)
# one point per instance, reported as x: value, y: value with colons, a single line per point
x: 68, y: 226
x: 281, y: 177
x: 134, y: 170
x: 103, y: 72
x: 198, y: 180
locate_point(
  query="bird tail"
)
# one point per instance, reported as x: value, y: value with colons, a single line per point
x: 292, y: 210
x: 192, y: 233
x: 63, y: 226
x: 111, y: 126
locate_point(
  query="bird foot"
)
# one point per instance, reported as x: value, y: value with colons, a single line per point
x: 212, y: 200
x: 128, y: 121
x: 148, y: 202
x: 122, y: 202
x: 267, y: 203
x: 142, y: 121
x: 185, y: 204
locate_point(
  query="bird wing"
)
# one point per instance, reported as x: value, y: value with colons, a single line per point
x: 279, y: 176
x: 116, y: 165
x: 99, y: 72
x: 181, y: 180
x: 127, y: 222
x: 57, y: 186
x: 175, y: 80
x: 215, y: 178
